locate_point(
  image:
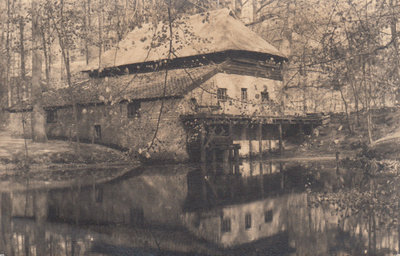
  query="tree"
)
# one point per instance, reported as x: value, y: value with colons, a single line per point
x: 38, y: 114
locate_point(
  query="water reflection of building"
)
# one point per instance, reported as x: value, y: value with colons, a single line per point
x: 229, y: 211
x: 228, y: 207
x: 232, y: 209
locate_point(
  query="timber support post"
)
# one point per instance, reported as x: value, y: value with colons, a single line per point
x: 282, y: 175
x: 214, y: 160
x: 230, y: 130
x: 202, y: 143
x: 249, y: 137
x: 236, y: 157
x: 280, y: 138
x: 231, y: 164
x: 226, y: 155
x: 260, y: 151
x: 262, y: 179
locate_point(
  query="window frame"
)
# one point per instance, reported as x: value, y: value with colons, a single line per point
x: 136, y: 216
x: 244, y: 95
x: 226, y: 225
x: 97, y: 132
x: 133, y: 109
x: 222, y: 94
x: 51, y: 116
x: 99, y: 192
x: 268, y: 216
x: 247, y: 221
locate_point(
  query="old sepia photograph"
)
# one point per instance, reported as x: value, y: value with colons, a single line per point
x: 199, y: 127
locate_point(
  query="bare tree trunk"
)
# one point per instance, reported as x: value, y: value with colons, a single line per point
x: 38, y: 114
x: 254, y: 5
x: 367, y: 96
x: 46, y: 53
x: 86, y: 26
x: 8, y: 53
x: 356, y: 102
x: 238, y: 8
x: 346, y: 110
x: 22, y: 49
x: 100, y: 21
x: 66, y: 58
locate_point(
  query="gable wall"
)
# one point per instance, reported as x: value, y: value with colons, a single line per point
x: 206, y: 94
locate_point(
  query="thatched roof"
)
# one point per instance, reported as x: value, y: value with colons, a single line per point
x: 203, y: 33
x: 141, y: 86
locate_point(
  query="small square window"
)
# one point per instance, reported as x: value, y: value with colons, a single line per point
x: 268, y: 216
x: 226, y: 225
x: 247, y: 221
x: 222, y: 94
x: 51, y: 116
x: 244, y: 94
x: 133, y: 109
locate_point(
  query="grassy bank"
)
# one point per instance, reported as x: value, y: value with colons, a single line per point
x: 336, y: 137
x: 58, y: 162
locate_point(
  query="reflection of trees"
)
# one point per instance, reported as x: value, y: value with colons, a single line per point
x: 6, y: 235
x: 366, y: 211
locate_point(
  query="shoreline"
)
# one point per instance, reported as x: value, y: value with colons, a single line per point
x: 14, y: 185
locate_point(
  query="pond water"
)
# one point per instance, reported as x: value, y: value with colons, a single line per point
x: 255, y: 208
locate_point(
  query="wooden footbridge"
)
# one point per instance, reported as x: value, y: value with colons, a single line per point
x: 217, y: 133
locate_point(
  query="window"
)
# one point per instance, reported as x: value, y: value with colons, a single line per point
x: 264, y: 96
x: 247, y: 221
x: 133, y: 109
x: 51, y: 116
x: 221, y: 94
x: 226, y: 225
x: 268, y: 216
x: 136, y: 216
x: 194, y: 104
x: 97, y: 132
x: 244, y: 94
x: 99, y: 194
x: 79, y: 112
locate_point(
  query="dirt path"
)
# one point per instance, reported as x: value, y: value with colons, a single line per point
x: 56, y: 164
x: 12, y: 150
